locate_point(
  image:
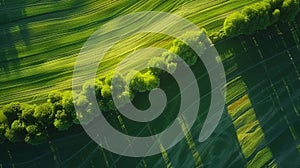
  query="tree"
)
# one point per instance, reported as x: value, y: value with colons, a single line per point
x: 158, y: 61
x: 119, y: 85
x: 35, y: 134
x: 3, y: 127
x: 54, y: 96
x: 18, y: 126
x: 257, y: 16
x: 106, y: 91
x: 289, y: 10
x: 44, y: 114
x: 85, y: 111
x: 10, y: 135
x: 260, y: 15
x: 275, y: 16
x: 185, y: 46
x: 27, y: 113
x: 63, y: 120
x: 234, y: 24
x: 119, y: 82
x: 172, y: 67
x: 142, y: 82
x: 106, y: 102
x: 12, y: 111
x: 68, y: 105
x: 16, y: 131
x: 88, y: 89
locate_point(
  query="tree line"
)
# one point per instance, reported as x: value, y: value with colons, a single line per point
x: 31, y: 123
x: 258, y: 16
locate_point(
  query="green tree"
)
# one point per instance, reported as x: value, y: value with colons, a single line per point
x: 18, y: 126
x: 68, y: 105
x: 44, y: 114
x: 10, y: 135
x: 54, y: 96
x: 16, y: 132
x: 158, y: 61
x: 12, y: 111
x: 27, y: 113
x: 257, y: 16
x: 85, y: 110
x: 35, y: 135
x: 275, y: 16
x: 289, y: 10
x: 183, y: 48
x: 142, y: 82
x: 63, y: 120
x: 3, y: 127
x: 235, y: 24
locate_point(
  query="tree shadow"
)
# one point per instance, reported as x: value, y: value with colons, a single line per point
x: 12, y: 29
x: 269, y: 65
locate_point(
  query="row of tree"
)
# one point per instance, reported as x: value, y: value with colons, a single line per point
x: 258, y: 16
x: 31, y: 123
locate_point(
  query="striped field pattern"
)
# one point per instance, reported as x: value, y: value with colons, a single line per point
x: 39, y: 42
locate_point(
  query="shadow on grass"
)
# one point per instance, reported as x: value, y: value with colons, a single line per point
x: 12, y: 11
x: 269, y: 64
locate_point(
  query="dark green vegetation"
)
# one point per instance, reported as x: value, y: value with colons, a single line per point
x: 30, y: 123
x: 259, y: 129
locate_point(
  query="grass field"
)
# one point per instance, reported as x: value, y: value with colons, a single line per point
x: 261, y: 124
x: 40, y: 40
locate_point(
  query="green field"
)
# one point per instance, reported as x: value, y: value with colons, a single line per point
x: 260, y: 126
x: 40, y: 40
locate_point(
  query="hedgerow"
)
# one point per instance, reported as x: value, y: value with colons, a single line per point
x: 257, y: 16
x: 30, y: 123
